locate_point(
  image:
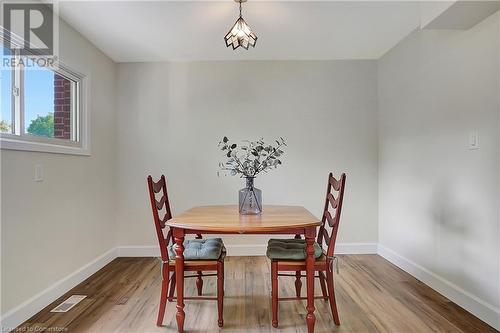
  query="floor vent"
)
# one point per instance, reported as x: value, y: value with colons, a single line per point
x: 69, y: 303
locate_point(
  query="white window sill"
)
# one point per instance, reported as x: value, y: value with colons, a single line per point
x: 19, y: 144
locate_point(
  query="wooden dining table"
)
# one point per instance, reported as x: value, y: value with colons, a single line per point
x: 225, y: 219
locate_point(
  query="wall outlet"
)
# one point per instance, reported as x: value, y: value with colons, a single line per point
x: 473, y: 140
x: 38, y: 177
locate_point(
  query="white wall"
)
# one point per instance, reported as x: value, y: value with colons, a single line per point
x: 52, y: 228
x: 498, y: 170
x: 438, y: 199
x: 172, y: 116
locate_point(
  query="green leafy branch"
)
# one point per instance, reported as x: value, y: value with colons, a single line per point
x: 250, y: 158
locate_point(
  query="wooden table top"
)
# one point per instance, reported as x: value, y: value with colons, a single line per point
x: 227, y: 219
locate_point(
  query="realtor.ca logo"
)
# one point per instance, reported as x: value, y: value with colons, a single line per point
x: 29, y: 29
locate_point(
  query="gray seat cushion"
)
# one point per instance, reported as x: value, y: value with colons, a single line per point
x: 290, y: 249
x: 199, y: 249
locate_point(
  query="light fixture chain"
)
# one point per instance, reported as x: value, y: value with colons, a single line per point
x: 240, y: 10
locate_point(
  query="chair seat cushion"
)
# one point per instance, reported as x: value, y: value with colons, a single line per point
x: 199, y: 249
x: 290, y: 249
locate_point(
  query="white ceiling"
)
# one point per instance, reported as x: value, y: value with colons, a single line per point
x: 130, y: 31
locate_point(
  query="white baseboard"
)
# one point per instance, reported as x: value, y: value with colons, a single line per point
x: 479, y: 308
x: 356, y: 248
x: 27, y: 309
x: 241, y: 250
x: 244, y: 249
x: 138, y: 251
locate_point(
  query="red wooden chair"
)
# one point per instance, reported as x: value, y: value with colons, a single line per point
x: 289, y: 254
x: 206, y: 254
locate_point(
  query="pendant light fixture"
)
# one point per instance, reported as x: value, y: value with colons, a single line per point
x: 240, y: 34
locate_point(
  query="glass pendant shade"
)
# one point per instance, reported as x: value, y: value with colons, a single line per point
x: 240, y: 34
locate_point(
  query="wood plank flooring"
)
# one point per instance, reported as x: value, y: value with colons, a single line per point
x: 372, y: 294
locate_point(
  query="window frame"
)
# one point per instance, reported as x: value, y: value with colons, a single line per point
x: 79, y: 144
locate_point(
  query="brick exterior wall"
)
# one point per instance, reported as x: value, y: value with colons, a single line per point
x: 62, y: 108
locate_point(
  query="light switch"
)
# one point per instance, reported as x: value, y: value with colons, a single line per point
x: 38, y: 173
x: 473, y: 140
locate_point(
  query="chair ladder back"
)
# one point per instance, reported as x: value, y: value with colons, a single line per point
x: 157, y: 206
x: 331, y: 212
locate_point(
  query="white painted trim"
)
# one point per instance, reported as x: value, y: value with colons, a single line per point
x: 138, y: 251
x: 356, y: 248
x: 241, y: 250
x: 44, y: 147
x: 473, y: 304
x: 30, y: 307
x: 244, y: 249
x: 152, y: 250
x: 58, y: 146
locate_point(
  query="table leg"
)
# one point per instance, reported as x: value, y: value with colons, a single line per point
x: 310, y: 235
x: 179, y: 272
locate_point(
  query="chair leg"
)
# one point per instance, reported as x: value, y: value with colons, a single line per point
x: 298, y: 283
x: 274, y: 292
x: 172, y: 288
x: 163, y: 296
x: 223, y: 280
x: 199, y: 283
x: 331, y: 294
x: 323, y: 285
x: 199, y: 280
x: 220, y: 292
x: 164, y: 292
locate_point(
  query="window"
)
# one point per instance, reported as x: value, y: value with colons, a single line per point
x: 41, y: 107
x: 6, y: 98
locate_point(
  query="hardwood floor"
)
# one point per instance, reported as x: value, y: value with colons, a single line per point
x: 372, y: 296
